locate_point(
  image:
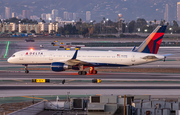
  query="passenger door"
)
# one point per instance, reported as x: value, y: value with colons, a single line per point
x: 21, y: 57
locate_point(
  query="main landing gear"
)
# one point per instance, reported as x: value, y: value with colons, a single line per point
x: 91, y: 71
x: 26, y: 70
x: 82, y: 72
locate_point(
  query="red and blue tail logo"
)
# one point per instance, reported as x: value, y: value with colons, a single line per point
x: 153, y: 41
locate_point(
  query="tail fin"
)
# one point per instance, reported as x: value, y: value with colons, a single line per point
x: 152, y: 42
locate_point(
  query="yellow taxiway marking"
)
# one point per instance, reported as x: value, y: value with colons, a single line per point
x: 32, y: 97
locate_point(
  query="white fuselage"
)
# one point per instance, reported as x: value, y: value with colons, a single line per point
x: 113, y: 58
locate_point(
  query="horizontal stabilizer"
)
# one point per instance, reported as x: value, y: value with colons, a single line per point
x: 167, y: 54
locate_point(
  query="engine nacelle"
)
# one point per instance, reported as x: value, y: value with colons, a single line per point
x: 57, y: 66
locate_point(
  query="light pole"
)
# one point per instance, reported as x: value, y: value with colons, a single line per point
x: 107, y: 24
x: 170, y: 30
x: 145, y: 30
x: 50, y: 20
x: 107, y: 21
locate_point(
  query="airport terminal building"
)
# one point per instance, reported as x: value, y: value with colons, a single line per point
x: 38, y: 28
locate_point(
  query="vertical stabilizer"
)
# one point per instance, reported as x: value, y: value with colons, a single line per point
x: 153, y: 41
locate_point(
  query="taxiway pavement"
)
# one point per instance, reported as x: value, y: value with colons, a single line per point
x: 14, y: 82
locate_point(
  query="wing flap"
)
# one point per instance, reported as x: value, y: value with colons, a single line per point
x: 75, y: 62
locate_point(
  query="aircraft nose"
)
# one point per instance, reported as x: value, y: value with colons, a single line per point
x: 9, y: 60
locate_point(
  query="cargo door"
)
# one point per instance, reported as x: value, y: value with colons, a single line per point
x: 133, y: 59
x: 51, y: 57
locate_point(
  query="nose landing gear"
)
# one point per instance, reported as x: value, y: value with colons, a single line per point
x: 26, y: 70
x: 164, y: 59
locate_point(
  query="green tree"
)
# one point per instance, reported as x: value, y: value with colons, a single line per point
x: 131, y: 26
x: 52, y: 31
x: 32, y: 31
x: 175, y: 24
x: 94, y: 21
x: 24, y: 31
x: 26, y: 20
x: 150, y: 23
x: 61, y: 30
x: 70, y: 30
x: 123, y: 27
x: 85, y: 31
x: 155, y: 21
x: 162, y: 23
x: 6, y: 31
x: 104, y: 18
x: 141, y: 22
x: 43, y: 21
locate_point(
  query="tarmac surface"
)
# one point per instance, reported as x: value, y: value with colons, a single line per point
x: 74, y: 75
x: 14, y: 82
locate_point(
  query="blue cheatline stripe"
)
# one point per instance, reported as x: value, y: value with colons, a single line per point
x: 104, y: 64
x: 7, y: 47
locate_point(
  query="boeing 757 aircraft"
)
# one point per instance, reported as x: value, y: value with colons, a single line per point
x: 79, y: 60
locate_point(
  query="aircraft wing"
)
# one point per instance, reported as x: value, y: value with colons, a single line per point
x: 73, y: 61
x: 76, y: 62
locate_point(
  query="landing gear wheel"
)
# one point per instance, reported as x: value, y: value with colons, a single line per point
x: 90, y: 72
x: 84, y: 72
x: 80, y: 72
x: 26, y: 71
x: 95, y: 71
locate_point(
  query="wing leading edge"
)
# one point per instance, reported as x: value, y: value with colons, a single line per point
x: 74, y: 61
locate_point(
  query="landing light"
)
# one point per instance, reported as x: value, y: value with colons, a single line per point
x: 31, y: 49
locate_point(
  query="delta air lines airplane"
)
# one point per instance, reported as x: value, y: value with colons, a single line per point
x: 79, y: 60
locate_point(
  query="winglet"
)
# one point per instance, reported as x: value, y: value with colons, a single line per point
x: 75, y: 55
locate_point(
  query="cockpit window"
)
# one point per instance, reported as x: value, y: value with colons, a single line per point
x: 13, y: 56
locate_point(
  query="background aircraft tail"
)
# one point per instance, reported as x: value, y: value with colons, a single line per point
x: 153, y: 41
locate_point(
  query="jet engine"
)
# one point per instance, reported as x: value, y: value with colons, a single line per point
x: 58, y: 66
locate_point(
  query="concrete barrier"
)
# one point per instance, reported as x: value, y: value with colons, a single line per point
x: 31, y: 110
